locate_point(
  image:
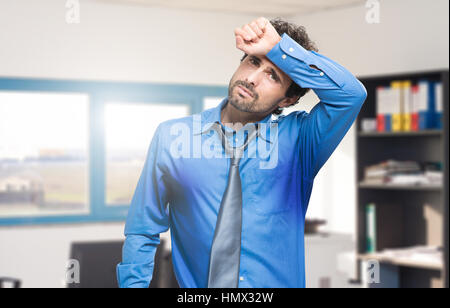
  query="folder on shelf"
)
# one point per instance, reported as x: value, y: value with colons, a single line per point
x: 427, y: 106
x: 407, y: 106
x: 371, y: 231
x: 439, y: 94
x: 388, y: 108
x: 381, y: 108
x: 396, y: 104
x: 415, y: 108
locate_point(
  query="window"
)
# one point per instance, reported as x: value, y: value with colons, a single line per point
x: 43, y: 154
x: 72, y: 151
x: 129, y: 129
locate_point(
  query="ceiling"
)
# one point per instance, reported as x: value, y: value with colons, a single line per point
x: 252, y: 7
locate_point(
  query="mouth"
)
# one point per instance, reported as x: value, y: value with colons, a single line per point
x: 244, y: 91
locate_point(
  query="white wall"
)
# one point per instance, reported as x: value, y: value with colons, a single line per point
x: 413, y: 35
x: 117, y: 42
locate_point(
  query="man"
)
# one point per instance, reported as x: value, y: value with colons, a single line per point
x: 237, y: 220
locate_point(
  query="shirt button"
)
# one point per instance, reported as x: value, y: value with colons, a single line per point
x: 291, y: 49
x: 284, y: 57
x: 322, y: 73
x: 241, y: 278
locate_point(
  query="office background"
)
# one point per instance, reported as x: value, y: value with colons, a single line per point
x: 133, y: 44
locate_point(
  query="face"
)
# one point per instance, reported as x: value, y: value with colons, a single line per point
x: 258, y: 86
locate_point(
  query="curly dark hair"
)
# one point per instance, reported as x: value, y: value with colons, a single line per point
x: 298, y: 34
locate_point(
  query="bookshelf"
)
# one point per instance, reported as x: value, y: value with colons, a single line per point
x: 407, y: 215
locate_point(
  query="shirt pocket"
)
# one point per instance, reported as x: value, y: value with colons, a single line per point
x: 269, y: 190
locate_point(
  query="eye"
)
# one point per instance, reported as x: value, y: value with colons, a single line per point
x: 252, y: 61
x: 273, y: 76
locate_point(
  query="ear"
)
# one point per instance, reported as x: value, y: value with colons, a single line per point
x: 288, y: 101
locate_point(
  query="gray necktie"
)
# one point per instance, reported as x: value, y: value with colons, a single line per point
x: 226, y: 246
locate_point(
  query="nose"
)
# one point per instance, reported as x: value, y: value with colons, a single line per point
x: 253, y: 78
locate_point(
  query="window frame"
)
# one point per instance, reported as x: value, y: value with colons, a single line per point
x: 101, y: 93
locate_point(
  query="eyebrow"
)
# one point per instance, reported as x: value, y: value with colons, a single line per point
x: 272, y: 70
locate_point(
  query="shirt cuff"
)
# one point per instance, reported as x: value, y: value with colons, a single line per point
x: 134, y: 275
x: 295, y: 61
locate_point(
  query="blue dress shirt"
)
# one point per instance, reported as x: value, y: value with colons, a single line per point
x: 181, y: 189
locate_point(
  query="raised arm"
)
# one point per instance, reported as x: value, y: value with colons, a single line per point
x: 341, y: 98
x: 341, y: 94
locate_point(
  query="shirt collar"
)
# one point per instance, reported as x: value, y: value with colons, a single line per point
x: 211, y: 116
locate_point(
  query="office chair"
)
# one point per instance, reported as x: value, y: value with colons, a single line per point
x: 14, y: 283
x: 98, y: 262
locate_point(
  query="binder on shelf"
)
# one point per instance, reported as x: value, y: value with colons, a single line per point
x: 439, y: 105
x: 407, y: 106
x: 381, y: 108
x: 415, y: 108
x: 396, y: 104
x: 427, y: 108
x: 371, y: 231
x: 388, y: 109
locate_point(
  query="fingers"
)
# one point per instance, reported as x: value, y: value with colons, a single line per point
x: 254, y: 30
x: 258, y: 37
x: 242, y: 33
x: 240, y: 42
x: 262, y: 23
x: 253, y: 36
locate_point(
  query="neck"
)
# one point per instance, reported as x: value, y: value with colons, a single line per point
x: 235, y: 119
